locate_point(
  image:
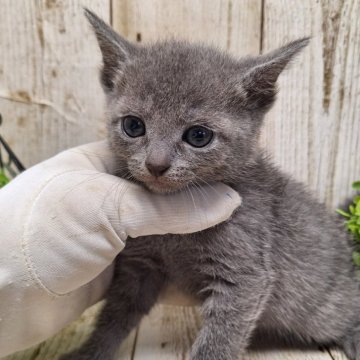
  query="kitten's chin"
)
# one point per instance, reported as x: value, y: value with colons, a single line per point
x: 160, y: 188
x: 161, y: 185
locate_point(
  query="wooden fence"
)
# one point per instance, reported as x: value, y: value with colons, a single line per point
x: 50, y: 97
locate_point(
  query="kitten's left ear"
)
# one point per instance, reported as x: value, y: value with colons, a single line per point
x: 259, y: 81
x: 116, y: 51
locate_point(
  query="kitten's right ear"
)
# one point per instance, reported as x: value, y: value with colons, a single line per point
x: 116, y: 51
x: 259, y: 81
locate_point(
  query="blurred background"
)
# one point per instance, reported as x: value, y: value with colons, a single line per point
x: 50, y: 97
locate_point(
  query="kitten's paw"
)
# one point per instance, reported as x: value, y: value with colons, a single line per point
x: 351, y: 346
x: 210, y: 354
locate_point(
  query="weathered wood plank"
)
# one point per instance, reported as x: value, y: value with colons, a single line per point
x: 49, y: 94
x: 314, y: 129
x: 338, y: 354
x: 168, y: 332
x: 282, y: 354
x: 72, y: 337
x: 231, y: 24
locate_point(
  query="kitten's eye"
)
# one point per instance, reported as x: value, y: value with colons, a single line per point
x: 133, y: 126
x: 198, y: 136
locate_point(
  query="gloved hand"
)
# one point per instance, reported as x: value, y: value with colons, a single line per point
x: 62, y: 223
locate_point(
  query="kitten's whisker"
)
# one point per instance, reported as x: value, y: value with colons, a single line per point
x: 205, y: 190
x: 118, y: 170
x: 195, y: 207
x: 198, y: 188
x: 201, y: 190
x: 208, y: 184
x: 120, y: 192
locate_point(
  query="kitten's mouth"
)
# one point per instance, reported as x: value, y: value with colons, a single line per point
x: 161, y: 186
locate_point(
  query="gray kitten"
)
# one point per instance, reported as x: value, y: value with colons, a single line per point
x: 181, y: 115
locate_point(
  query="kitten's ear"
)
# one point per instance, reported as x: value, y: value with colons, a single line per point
x: 259, y: 81
x: 116, y: 51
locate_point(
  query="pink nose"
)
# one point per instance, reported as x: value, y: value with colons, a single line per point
x: 157, y: 169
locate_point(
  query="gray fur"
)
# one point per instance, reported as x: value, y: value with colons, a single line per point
x: 282, y: 263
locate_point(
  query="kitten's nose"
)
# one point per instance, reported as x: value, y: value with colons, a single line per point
x: 157, y: 169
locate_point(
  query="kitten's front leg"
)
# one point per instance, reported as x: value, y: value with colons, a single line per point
x: 134, y: 290
x: 230, y: 315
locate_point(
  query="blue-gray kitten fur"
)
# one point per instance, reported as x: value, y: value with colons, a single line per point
x: 281, y: 263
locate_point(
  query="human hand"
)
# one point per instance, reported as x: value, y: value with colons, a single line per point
x: 62, y: 224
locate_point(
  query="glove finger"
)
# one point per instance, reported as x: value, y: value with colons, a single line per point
x: 185, y: 212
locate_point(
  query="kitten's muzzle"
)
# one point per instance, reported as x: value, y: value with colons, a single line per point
x: 159, y: 159
x: 157, y: 170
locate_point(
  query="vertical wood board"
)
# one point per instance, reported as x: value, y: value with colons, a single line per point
x: 313, y: 131
x: 50, y: 97
x: 234, y: 25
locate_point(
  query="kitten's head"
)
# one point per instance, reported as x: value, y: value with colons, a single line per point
x: 180, y: 114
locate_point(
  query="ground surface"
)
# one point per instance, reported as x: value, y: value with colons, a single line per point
x: 166, y: 334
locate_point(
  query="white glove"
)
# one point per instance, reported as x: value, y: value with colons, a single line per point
x: 62, y: 223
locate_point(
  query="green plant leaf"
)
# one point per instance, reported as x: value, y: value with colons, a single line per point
x: 353, y: 222
x: 357, y: 209
x: 3, y: 179
x: 356, y: 257
x: 356, y: 185
x: 343, y: 213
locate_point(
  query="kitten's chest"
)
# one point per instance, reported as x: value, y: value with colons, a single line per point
x: 178, y: 253
x: 189, y: 261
